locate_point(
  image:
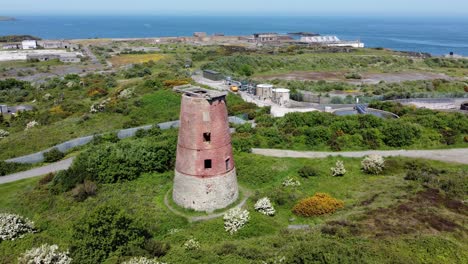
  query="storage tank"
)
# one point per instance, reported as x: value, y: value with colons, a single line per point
x: 281, y: 96
x: 264, y: 91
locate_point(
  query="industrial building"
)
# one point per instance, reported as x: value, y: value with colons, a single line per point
x: 63, y: 57
x: 331, y: 41
x: 212, y: 75
x: 11, y: 46
x: 205, y: 175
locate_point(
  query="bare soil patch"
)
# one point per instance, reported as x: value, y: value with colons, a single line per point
x: 367, y: 78
x: 428, y: 211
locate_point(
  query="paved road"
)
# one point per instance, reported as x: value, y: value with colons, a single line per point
x: 446, y: 155
x: 54, y: 167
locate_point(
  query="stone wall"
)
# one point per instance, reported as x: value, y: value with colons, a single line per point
x: 205, y: 194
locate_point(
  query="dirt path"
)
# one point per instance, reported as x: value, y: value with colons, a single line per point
x: 54, y: 167
x: 445, y: 155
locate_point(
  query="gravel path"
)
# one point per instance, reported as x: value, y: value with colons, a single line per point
x: 54, y: 167
x: 446, y: 155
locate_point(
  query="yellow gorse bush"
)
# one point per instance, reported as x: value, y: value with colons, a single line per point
x: 319, y: 204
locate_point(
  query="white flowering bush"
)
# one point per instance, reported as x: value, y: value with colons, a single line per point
x: 339, y: 169
x: 125, y: 94
x: 276, y: 260
x: 373, y: 164
x: 291, y: 182
x: 31, y: 124
x: 3, y: 133
x: 100, y: 107
x: 14, y: 226
x: 235, y: 219
x: 45, y: 254
x: 142, y: 260
x: 265, y: 207
x: 192, y: 244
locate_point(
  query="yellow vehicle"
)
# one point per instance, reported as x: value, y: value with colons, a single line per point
x: 234, y: 89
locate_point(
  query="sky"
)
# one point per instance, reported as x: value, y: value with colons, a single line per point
x: 238, y: 7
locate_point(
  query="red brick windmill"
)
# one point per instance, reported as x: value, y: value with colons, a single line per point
x: 205, y: 175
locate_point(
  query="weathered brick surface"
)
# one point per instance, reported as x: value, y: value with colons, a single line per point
x: 196, y: 186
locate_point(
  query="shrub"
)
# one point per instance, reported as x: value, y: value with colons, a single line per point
x: 83, y: 191
x: 373, y: 164
x: 192, y: 244
x: 3, y: 133
x: 421, y: 171
x: 124, y: 161
x: 339, y: 169
x: 11, y: 167
x: 45, y: 254
x: 307, y: 171
x: 14, y: 226
x: 53, y: 155
x: 399, y: 134
x: 104, y: 231
x: 265, y: 207
x: 449, y: 136
x: 156, y: 248
x: 235, y: 219
x: 465, y: 139
x: 291, y: 182
x: 319, y: 204
x: 142, y: 260
x: 47, y: 179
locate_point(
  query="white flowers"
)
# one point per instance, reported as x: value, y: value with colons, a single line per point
x: 192, y: 244
x: 3, y: 133
x: 31, y: 124
x: 339, y: 169
x: 235, y: 219
x: 265, y: 207
x: 45, y: 254
x: 290, y: 182
x: 100, y: 107
x: 14, y: 226
x: 373, y: 164
x: 142, y: 260
x: 125, y: 94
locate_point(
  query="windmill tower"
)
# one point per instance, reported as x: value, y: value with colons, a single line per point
x: 205, y: 175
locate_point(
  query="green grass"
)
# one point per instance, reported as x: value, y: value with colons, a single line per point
x: 263, y: 237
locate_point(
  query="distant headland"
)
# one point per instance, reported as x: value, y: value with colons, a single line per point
x: 6, y: 18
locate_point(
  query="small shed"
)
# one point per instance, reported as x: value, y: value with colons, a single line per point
x: 213, y: 75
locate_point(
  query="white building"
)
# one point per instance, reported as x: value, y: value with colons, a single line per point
x: 264, y: 91
x: 29, y: 44
x: 331, y: 41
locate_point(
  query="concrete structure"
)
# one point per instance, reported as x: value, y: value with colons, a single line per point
x: 205, y: 175
x: 264, y: 91
x: 281, y: 96
x: 11, y: 46
x: 331, y: 41
x: 40, y: 54
x: 266, y: 37
x: 200, y: 34
x: 213, y: 75
x: 57, y: 44
x: 29, y: 44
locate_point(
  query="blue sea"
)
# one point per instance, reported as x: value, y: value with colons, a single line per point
x: 436, y: 35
